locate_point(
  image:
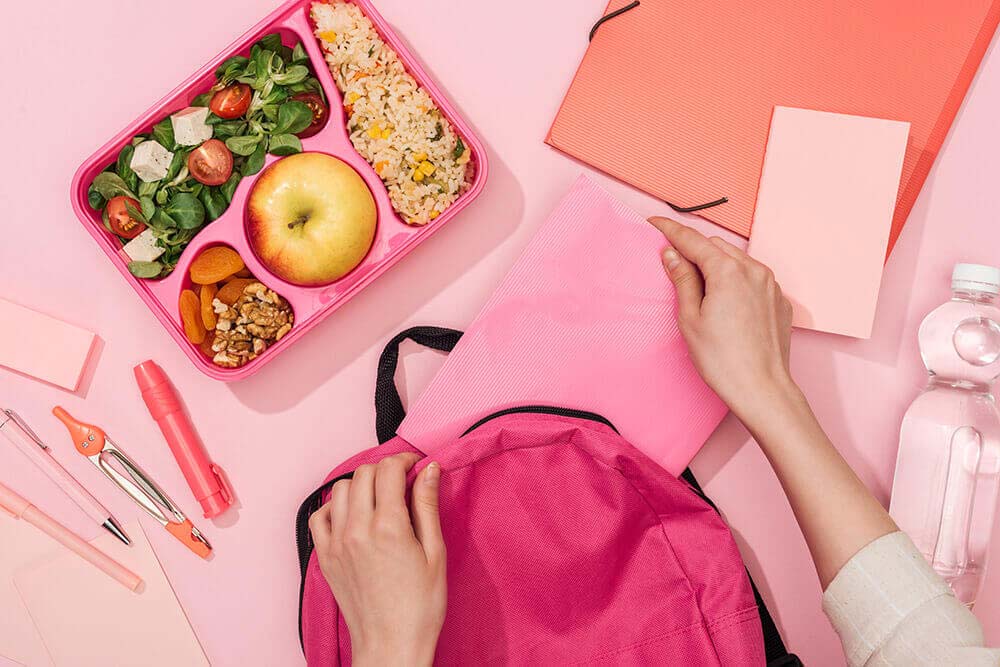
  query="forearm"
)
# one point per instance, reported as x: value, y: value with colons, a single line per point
x: 837, y: 514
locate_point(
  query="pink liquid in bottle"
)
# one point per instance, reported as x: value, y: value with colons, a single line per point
x: 944, y: 493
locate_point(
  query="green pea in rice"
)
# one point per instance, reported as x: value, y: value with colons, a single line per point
x: 393, y: 122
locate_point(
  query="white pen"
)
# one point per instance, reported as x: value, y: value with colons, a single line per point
x: 14, y: 428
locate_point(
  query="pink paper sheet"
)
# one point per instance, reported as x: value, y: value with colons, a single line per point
x: 824, y: 212
x: 22, y: 545
x: 86, y: 618
x: 584, y: 320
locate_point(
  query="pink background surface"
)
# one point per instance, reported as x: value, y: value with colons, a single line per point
x: 506, y: 66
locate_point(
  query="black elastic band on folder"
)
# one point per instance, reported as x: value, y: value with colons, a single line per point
x: 699, y: 207
x: 617, y: 12
x: 679, y: 209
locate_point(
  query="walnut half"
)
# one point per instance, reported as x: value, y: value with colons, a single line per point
x: 245, y: 329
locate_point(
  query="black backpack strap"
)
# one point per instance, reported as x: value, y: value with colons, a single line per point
x: 389, y: 412
x: 774, y: 648
x: 389, y: 415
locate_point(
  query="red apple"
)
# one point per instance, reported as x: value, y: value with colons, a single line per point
x: 310, y: 219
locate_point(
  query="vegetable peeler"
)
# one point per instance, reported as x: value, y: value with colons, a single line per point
x: 94, y: 443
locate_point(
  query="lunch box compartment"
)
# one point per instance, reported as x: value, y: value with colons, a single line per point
x: 393, y: 237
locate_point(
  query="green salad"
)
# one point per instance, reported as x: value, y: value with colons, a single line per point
x: 168, y: 184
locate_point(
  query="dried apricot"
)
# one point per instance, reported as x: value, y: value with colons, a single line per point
x: 190, y: 307
x: 207, y: 309
x: 233, y: 290
x: 215, y: 264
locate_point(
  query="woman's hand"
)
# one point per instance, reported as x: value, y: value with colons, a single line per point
x: 737, y: 324
x: 386, y: 572
x: 734, y: 318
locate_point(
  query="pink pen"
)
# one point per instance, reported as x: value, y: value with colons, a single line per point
x: 206, y: 479
x: 14, y: 428
x: 19, y: 508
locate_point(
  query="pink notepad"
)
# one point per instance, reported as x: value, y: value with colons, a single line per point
x: 586, y: 319
x: 43, y: 347
x: 824, y: 213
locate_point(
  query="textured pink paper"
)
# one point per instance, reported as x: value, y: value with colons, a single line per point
x: 43, y: 347
x: 86, y: 618
x: 584, y: 320
x: 824, y: 212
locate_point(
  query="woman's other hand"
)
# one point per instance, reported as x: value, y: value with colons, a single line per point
x: 734, y: 318
x: 385, y: 562
x: 737, y: 324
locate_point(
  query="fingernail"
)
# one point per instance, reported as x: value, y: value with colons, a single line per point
x: 433, y: 474
x: 672, y: 258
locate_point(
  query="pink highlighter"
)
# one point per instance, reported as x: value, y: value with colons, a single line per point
x: 206, y: 479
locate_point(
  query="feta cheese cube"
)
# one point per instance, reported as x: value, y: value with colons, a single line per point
x: 143, y: 248
x: 151, y: 161
x: 190, y: 128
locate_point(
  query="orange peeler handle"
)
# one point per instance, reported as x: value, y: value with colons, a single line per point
x: 87, y: 438
x: 185, y: 533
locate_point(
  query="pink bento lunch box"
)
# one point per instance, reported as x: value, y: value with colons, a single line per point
x: 393, y: 238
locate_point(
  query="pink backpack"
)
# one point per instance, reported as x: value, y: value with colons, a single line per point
x: 566, y: 545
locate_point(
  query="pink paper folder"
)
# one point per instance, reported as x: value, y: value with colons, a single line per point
x: 22, y: 545
x: 584, y: 320
x: 86, y: 618
x: 824, y: 213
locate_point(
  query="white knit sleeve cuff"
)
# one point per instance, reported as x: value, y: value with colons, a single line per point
x: 879, y: 587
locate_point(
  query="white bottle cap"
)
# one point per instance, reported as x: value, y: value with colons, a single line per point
x: 976, y: 278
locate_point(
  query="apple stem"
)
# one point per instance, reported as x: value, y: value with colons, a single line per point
x: 298, y: 222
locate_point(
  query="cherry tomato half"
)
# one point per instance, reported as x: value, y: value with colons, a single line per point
x: 211, y: 163
x: 232, y: 101
x: 122, y: 223
x: 321, y: 113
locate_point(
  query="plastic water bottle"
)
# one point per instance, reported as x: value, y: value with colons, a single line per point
x: 944, y: 494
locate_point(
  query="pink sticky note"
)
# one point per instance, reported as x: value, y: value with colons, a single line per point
x: 42, y: 346
x: 824, y: 212
x: 586, y: 319
x: 87, y: 618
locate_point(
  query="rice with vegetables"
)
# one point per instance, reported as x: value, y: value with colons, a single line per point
x: 393, y: 122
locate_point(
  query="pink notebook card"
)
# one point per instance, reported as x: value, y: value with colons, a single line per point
x: 586, y: 320
x: 824, y: 212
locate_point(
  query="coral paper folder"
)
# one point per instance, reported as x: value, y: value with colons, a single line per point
x: 585, y: 319
x: 86, y: 618
x: 824, y: 210
x: 43, y: 347
x: 675, y: 97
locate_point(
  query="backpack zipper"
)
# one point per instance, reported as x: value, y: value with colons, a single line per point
x: 303, y: 538
x: 543, y: 410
